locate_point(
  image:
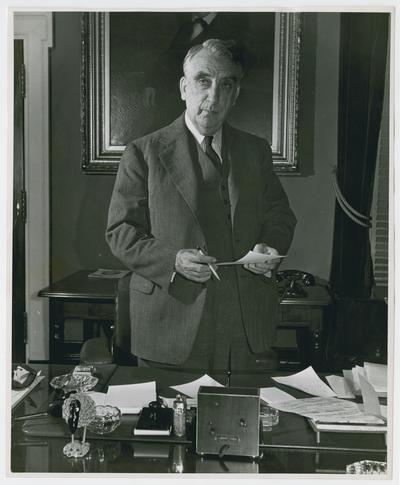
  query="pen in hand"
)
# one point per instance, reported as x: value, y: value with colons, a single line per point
x: 210, y: 266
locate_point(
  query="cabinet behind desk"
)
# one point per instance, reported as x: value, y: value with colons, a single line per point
x: 90, y: 305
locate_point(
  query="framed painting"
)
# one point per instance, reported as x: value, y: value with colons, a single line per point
x: 132, y: 62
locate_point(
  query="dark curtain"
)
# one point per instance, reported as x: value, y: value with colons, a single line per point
x: 364, y: 39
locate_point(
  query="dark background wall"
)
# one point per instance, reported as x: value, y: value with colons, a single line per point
x: 79, y: 202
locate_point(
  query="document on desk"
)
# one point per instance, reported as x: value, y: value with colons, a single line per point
x: 307, y: 381
x: 273, y: 395
x: 18, y: 394
x: 376, y: 375
x: 340, y: 386
x: 192, y: 388
x: 129, y: 398
x: 328, y: 410
x: 252, y: 257
x: 357, y: 371
x: 348, y: 376
x: 370, y: 398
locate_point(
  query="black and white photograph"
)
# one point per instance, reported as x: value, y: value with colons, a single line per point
x: 200, y: 242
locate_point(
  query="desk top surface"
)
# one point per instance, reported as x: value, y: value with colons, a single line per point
x: 79, y: 286
x: 289, y: 448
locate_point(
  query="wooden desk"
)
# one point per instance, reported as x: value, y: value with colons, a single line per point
x: 289, y: 448
x: 78, y: 297
x: 309, y: 319
x: 93, y: 300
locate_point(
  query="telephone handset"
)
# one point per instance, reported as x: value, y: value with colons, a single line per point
x: 291, y: 279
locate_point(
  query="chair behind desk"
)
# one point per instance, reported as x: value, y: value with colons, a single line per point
x: 122, y: 329
x: 118, y: 350
x: 359, y: 333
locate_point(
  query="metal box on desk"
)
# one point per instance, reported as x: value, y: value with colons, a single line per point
x: 228, y: 421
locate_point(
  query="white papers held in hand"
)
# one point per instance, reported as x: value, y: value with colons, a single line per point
x: 252, y: 257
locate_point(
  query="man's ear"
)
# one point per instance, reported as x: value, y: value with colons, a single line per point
x: 236, y: 94
x: 182, y: 87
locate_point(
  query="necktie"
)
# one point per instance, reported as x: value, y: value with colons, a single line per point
x: 212, y: 154
x: 199, y: 25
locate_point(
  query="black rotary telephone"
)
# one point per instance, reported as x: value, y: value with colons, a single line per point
x: 291, y: 282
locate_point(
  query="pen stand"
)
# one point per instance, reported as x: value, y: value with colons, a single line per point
x: 78, y: 411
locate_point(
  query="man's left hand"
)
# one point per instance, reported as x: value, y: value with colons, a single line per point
x: 263, y: 268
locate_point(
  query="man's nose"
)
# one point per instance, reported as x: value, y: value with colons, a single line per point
x: 213, y: 93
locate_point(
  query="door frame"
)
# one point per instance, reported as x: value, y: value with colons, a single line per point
x: 36, y: 31
x: 18, y: 220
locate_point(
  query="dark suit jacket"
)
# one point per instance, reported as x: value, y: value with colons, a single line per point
x: 153, y: 214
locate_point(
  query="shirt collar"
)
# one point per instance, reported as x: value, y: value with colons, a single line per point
x: 207, y: 18
x: 217, y: 137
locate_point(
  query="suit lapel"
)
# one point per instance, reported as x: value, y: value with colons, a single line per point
x: 233, y: 152
x: 177, y: 156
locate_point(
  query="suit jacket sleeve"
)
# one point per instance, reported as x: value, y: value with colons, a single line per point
x: 279, y: 221
x: 128, y: 230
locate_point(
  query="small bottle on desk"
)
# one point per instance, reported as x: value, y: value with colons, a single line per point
x: 179, y: 407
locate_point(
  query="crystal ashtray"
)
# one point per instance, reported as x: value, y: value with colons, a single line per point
x: 269, y: 417
x: 70, y: 382
x: 107, y: 419
x: 367, y: 467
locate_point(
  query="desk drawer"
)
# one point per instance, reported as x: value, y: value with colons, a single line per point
x: 89, y: 311
x: 300, y: 316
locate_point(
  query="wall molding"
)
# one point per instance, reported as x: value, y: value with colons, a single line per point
x: 35, y: 29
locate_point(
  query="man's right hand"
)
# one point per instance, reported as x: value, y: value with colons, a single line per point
x: 193, y: 265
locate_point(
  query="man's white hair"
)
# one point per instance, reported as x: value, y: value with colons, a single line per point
x: 221, y: 48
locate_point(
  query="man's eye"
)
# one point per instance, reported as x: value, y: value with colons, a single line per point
x: 203, y: 82
x: 228, y: 85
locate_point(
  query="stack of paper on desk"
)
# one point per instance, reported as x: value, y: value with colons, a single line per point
x: 129, y: 398
x: 348, y: 386
x: 326, y: 411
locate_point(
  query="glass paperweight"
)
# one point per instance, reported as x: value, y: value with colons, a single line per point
x: 269, y: 417
x: 367, y: 467
x: 106, y: 420
x: 70, y: 382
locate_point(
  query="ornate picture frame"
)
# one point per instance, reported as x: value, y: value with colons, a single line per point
x: 106, y: 89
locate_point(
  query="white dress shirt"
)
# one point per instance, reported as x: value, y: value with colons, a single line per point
x: 216, y: 141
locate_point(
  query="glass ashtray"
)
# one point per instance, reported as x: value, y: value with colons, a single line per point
x: 71, y: 382
x: 367, y: 467
x: 107, y: 419
x: 269, y: 417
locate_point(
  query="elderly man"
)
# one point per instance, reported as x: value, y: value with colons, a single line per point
x: 187, y: 196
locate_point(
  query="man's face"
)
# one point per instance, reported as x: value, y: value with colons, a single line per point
x: 210, y: 88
